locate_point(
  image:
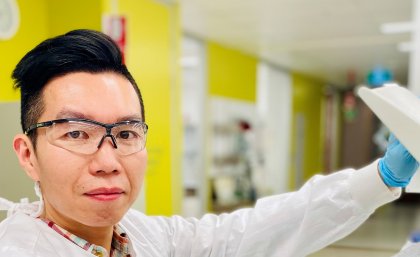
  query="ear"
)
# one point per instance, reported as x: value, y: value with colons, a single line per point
x: 26, y: 154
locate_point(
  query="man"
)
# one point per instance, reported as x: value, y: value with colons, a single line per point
x: 84, y: 146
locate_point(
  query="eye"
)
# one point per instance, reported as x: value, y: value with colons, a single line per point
x: 77, y: 134
x: 127, y: 134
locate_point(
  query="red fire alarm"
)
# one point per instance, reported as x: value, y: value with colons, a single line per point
x: 115, y: 27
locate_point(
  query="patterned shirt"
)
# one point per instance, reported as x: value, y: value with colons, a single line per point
x: 120, y: 246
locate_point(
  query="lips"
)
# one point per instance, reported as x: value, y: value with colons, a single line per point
x: 105, y: 194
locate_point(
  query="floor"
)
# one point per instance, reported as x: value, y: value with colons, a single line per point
x: 382, y: 235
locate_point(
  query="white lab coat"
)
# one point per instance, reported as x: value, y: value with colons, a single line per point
x: 410, y: 249
x: 324, y: 210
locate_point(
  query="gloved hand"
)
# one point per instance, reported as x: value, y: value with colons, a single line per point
x: 398, y: 165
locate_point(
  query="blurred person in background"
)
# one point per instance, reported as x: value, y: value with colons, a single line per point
x: 83, y: 145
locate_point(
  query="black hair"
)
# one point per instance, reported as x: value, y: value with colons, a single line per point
x: 76, y: 51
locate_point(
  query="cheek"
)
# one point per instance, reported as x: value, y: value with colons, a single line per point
x: 59, y: 170
x: 136, y: 168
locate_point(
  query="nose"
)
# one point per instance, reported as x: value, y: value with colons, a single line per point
x: 105, y: 160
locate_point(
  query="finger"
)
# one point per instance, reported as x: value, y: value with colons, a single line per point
x: 392, y: 139
x: 392, y: 142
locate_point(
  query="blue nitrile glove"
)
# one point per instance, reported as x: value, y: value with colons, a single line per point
x: 415, y: 237
x: 398, y: 165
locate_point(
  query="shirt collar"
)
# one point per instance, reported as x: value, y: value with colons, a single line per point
x: 120, y: 246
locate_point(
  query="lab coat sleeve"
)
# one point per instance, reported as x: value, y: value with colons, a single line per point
x: 324, y: 210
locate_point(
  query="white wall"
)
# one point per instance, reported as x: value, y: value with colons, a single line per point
x: 274, y: 103
x: 194, y: 95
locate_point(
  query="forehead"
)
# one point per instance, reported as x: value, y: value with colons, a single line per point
x: 104, y: 97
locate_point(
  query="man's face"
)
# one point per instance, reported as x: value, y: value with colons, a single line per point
x: 67, y: 178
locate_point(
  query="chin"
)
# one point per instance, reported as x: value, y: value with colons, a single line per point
x: 104, y: 221
x: 103, y: 214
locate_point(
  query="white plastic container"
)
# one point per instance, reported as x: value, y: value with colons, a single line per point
x: 399, y: 110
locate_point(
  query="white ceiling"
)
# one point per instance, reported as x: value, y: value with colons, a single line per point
x: 323, y: 38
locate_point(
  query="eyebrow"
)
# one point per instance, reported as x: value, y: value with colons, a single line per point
x: 78, y: 115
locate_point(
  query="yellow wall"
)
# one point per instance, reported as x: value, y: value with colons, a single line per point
x: 39, y: 20
x: 33, y: 28
x: 231, y: 73
x: 66, y: 15
x: 307, y: 103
